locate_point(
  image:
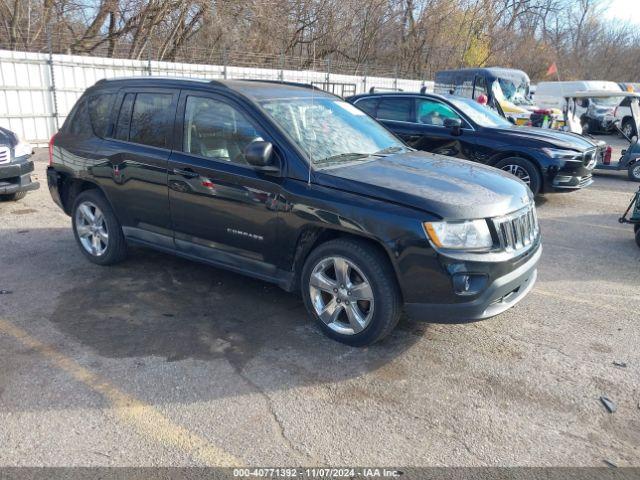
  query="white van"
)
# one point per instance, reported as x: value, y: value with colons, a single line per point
x: 551, y: 94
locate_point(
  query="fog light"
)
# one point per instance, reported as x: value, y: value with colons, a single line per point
x: 469, y: 283
x: 561, y: 179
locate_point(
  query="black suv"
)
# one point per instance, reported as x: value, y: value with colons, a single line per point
x: 297, y: 187
x: 15, y: 167
x: 546, y: 160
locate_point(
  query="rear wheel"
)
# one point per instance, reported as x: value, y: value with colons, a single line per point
x: 97, y: 229
x: 628, y: 128
x: 638, y: 237
x: 13, y: 197
x: 350, y: 289
x: 634, y: 172
x: 523, y: 169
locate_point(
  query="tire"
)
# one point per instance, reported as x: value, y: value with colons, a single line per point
x: 107, y: 250
x: 633, y: 172
x: 586, y: 127
x: 638, y: 237
x: 524, y: 169
x: 628, y: 128
x: 13, y: 197
x: 366, y: 267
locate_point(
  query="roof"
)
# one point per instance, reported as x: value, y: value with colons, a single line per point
x: 403, y: 94
x: 495, y: 71
x: 600, y: 94
x: 256, y: 89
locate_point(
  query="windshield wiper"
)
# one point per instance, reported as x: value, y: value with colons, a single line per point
x: 392, y: 149
x: 343, y: 156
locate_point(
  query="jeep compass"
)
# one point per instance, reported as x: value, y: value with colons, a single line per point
x: 294, y: 186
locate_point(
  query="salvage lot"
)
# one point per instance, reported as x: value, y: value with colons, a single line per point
x: 161, y: 361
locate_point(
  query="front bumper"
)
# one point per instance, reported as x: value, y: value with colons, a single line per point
x: 503, y: 293
x: 15, y: 177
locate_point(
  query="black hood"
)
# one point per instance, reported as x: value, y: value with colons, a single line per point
x: 550, y: 137
x: 444, y: 186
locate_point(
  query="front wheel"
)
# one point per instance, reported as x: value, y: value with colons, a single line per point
x: 350, y: 289
x: 523, y: 169
x: 634, y: 172
x: 97, y: 229
x: 13, y: 197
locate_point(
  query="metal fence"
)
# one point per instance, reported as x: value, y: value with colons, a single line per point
x: 37, y: 90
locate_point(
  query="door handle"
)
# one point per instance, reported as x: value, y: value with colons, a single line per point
x: 188, y: 173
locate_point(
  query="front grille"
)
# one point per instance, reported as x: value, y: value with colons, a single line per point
x: 518, y: 230
x: 589, y: 158
x: 5, y: 154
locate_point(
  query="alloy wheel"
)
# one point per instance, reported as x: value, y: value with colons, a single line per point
x: 636, y: 172
x: 518, y: 171
x: 341, y: 295
x: 627, y: 130
x: 91, y: 228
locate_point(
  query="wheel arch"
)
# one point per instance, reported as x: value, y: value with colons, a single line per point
x: 70, y: 187
x: 311, y: 237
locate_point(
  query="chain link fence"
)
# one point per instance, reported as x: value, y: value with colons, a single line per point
x: 39, y: 87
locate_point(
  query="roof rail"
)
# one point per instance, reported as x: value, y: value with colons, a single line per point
x: 282, y: 82
x: 384, y: 89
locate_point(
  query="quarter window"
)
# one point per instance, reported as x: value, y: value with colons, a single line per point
x: 394, y: 108
x: 100, y: 112
x: 430, y: 112
x: 215, y: 129
x: 92, y: 115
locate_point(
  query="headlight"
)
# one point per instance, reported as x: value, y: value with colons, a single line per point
x: 22, y: 149
x: 563, y: 154
x: 465, y: 235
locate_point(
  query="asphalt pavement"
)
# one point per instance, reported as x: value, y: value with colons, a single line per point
x: 161, y: 361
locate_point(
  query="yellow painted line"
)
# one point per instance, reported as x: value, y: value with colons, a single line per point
x: 580, y: 224
x: 567, y: 297
x: 144, y: 418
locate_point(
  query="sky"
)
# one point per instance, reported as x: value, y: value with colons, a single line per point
x: 626, y: 10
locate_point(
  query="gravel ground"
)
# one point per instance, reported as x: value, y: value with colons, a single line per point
x: 160, y: 361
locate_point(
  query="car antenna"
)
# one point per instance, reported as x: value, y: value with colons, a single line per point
x: 312, y: 122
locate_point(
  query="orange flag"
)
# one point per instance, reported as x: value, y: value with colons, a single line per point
x: 553, y: 69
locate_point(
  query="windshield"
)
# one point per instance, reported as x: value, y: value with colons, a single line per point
x: 483, y: 116
x: 514, y: 92
x: 331, y: 131
x: 607, y: 101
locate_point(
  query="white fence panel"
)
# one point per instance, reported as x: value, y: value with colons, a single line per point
x: 33, y: 103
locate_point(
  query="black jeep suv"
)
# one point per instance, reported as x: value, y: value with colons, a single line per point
x: 297, y: 187
x: 546, y: 160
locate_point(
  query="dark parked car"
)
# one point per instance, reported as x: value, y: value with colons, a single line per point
x: 15, y: 167
x: 546, y: 160
x: 296, y: 187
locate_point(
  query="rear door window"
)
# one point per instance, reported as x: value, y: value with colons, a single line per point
x: 124, y: 117
x: 368, y: 105
x: 395, y: 108
x: 152, y: 119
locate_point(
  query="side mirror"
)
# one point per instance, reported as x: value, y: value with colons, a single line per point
x: 454, y: 124
x: 260, y: 155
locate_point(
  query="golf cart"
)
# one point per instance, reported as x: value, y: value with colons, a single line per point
x: 576, y: 116
x: 635, y: 215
